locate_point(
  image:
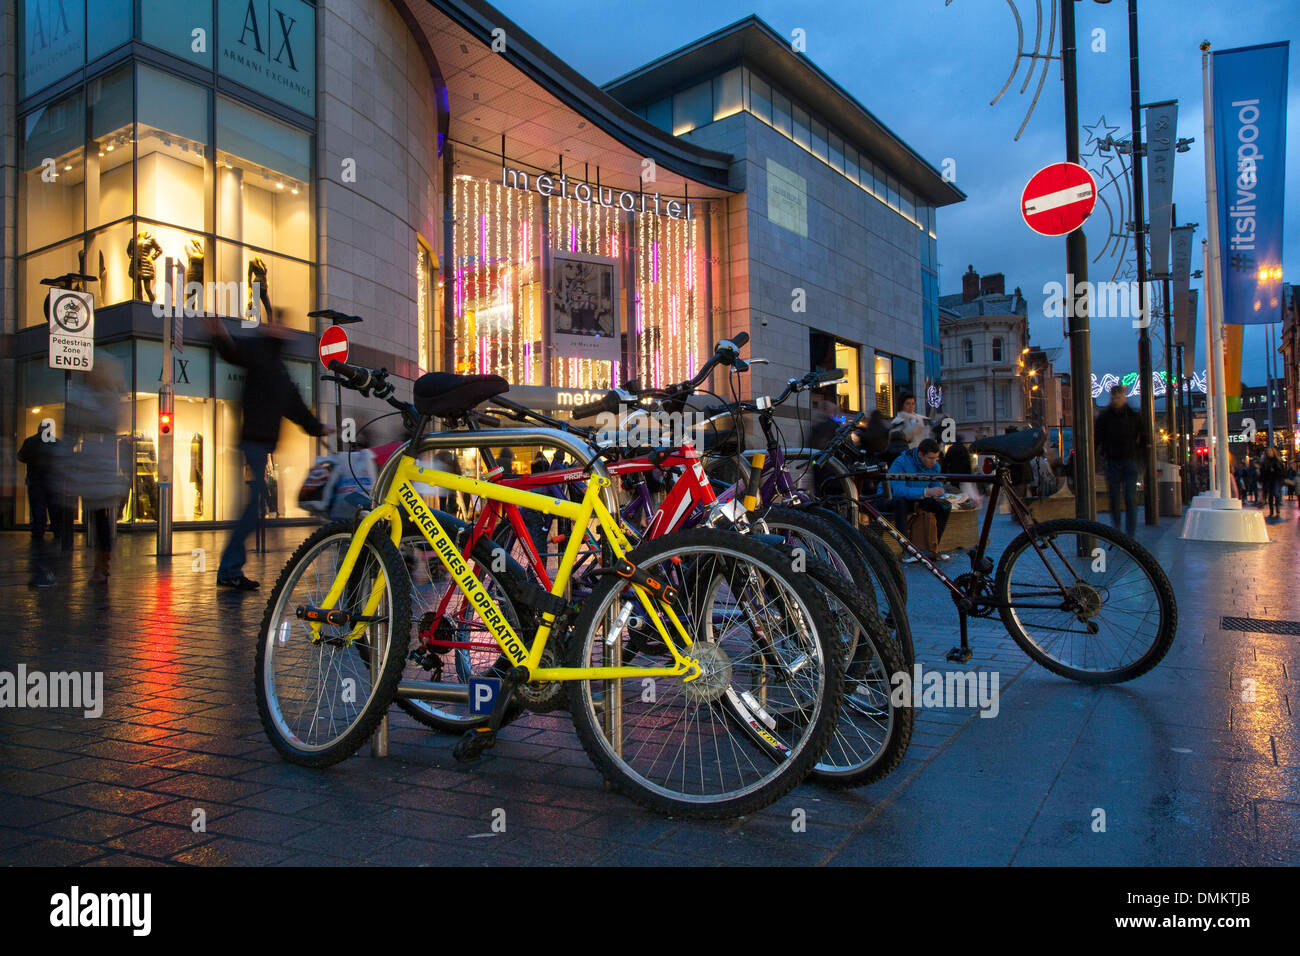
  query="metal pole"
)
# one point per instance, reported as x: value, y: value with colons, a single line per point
x: 1268, y: 377
x: 171, y: 302
x: 1076, y: 268
x: 1146, y: 374
x: 1216, y: 400
x: 1171, y: 393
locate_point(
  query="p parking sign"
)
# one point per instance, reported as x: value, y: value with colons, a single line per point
x: 72, y: 330
x: 483, y: 694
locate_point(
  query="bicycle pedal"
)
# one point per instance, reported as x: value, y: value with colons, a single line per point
x: 959, y: 655
x: 472, y: 744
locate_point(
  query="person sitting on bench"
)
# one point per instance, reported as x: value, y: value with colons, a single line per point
x: 919, y: 493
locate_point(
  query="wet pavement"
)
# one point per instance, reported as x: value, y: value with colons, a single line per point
x: 1197, y: 762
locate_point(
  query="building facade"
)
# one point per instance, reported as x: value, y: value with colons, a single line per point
x: 985, y: 334
x: 431, y: 168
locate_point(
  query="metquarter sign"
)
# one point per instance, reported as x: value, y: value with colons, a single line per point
x: 547, y: 185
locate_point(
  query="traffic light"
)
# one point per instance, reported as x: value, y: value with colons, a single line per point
x: 166, y: 411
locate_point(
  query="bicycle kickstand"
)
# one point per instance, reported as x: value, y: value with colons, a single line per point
x: 473, y: 742
x: 960, y: 655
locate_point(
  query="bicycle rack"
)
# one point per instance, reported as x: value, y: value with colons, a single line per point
x: 580, y: 452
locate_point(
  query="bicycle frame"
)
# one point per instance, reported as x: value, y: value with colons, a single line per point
x: 401, y: 496
x: 1000, y: 482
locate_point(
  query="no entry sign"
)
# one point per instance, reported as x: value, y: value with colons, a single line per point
x: 1058, y: 199
x: 333, y: 345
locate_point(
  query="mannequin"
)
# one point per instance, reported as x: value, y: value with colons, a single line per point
x: 196, y: 473
x: 141, y: 253
x: 194, y: 275
x: 257, y: 280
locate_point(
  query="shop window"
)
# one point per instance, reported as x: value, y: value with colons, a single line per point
x: 760, y: 98
x: 47, y: 264
x: 171, y: 151
x: 425, y: 332
x: 108, y: 258
x: 263, y: 171
x: 692, y: 108
x: 64, y: 49
x: 884, y: 385
x: 904, y: 382
x: 192, y: 448
x: 728, y: 94
x: 52, y: 161
x: 781, y: 116
x: 828, y: 352
x: 252, y: 282
x: 108, y: 160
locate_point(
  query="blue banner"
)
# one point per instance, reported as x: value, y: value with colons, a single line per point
x: 1250, y: 159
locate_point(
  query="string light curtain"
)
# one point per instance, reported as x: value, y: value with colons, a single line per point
x: 498, y: 296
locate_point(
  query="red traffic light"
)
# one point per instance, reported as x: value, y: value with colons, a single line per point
x: 164, y: 423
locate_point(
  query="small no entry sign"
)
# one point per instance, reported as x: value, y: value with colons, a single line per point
x: 1058, y: 198
x: 333, y: 345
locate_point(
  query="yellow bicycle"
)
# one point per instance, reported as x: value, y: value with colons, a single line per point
x: 725, y: 708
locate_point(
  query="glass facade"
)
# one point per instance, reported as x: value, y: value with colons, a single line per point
x: 626, y: 302
x: 137, y: 164
x: 139, y: 167
x: 208, y: 475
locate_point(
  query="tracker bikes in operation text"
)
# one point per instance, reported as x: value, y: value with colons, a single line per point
x: 732, y: 713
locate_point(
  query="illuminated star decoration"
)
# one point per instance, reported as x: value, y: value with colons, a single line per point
x: 1111, y: 170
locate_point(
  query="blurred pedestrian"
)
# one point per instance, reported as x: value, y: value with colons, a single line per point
x: 909, y: 423
x: 1120, y: 442
x: 95, y: 419
x: 268, y: 396
x: 1271, y: 474
x: 40, y: 453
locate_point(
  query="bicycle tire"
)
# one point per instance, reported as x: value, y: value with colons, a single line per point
x: 874, y: 643
x: 868, y: 541
x: 787, y: 769
x: 890, y: 603
x: 383, y: 687
x: 1164, y: 593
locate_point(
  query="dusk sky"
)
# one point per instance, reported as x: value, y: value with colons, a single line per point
x: 928, y: 70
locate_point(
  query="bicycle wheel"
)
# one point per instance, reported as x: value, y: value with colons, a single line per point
x: 872, y: 734
x: 882, y: 580
x: 1115, y: 618
x: 452, y: 619
x: 320, y: 701
x: 751, y: 727
x: 870, y: 737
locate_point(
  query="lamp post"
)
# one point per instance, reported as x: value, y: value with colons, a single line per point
x: 1076, y: 269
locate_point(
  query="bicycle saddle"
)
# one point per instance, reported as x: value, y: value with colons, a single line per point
x: 1019, y: 446
x: 448, y: 395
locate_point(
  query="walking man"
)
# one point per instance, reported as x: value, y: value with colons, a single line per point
x: 269, y: 395
x: 1120, y: 441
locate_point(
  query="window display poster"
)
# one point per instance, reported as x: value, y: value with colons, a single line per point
x: 584, y: 307
x: 270, y: 46
x: 191, y: 370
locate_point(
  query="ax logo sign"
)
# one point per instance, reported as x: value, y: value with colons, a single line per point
x: 270, y: 46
